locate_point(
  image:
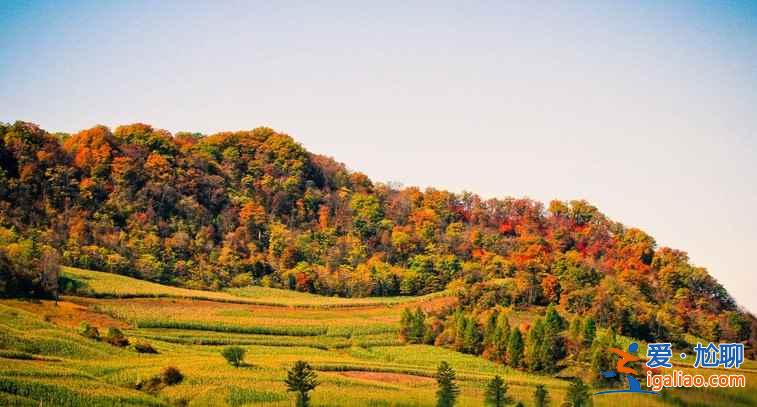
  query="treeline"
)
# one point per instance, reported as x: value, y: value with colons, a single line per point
x: 543, y: 345
x: 254, y: 207
x: 537, y: 347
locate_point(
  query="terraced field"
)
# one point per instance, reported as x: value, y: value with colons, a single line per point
x: 352, y: 343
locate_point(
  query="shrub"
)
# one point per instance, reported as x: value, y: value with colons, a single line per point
x: 144, y: 347
x: 88, y: 331
x: 151, y: 385
x: 171, y: 376
x: 234, y: 355
x: 116, y: 338
x: 168, y: 377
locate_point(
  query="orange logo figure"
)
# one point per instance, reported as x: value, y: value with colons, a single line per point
x: 625, y: 358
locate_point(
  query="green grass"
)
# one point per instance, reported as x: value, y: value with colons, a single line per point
x: 352, y: 343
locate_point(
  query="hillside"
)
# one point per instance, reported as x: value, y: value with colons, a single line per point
x: 354, y: 348
x: 244, y: 208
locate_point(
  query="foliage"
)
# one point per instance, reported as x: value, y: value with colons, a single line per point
x: 144, y: 347
x: 496, y: 393
x: 88, y: 331
x: 171, y: 376
x: 412, y: 325
x: 301, y: 379
x: 578, y: 394
x: 541, y: 396
x: 234, y: 355
x: 447, y: 390
x: 254, y: 207
x: 115, y: 337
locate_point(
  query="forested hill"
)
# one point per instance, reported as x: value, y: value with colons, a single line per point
x: 254, y: 207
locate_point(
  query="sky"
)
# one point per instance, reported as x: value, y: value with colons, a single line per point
x: 647, y: 110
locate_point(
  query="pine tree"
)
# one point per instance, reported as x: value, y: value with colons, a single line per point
x: 575, y: 329
x: 578, y: 394
x: 490, y: 328
x: 472, y: 338
x: 447, y: 392
x: 301, y: 379
x: 553, y: 320
x: 501, y: 339
x: 590, y: 331
x: 496, y: 393
x: 601, y: 360
x: 406, y: 320
x: 541, y: 396
x: 515, y: 349
x: 534, y: 345
x: 419, y: 326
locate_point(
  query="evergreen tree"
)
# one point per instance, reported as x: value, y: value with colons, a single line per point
x: 601, y: 360
x: 552, y: 347
x: 553, y: 320
x: 515, y: 349
x: 534, y: 345
x: 575, y: 329
x: 496, y: 393
x: 541, y: 396
x: 419, y: 326
x: 590, y: 331
x: 301, y: 379
x: 472, y: 338
x: 447, y: 392
x: 578, y: 394
x: 490, y: 328
x: 501, y: 338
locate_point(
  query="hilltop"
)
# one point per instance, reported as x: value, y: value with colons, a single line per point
x: 236, y: 209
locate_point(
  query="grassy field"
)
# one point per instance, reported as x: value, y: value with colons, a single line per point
x: 352, y: 343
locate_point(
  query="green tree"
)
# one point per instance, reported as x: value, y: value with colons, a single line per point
x: 578, y: 394
x: 541, y: 396
x: 575, y: 329
x: 413, y: 325
x: 534, y: 345
x: 553, y: 320
x: 301, y: 379
x: 496, y: 393
x: 515, y: 349
x: 472, y: 338
x: 234, y: 355
x: 590, y: 331
x: 447, y: 391
x: 497, y: 343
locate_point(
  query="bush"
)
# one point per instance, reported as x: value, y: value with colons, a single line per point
x: 151, y: 385
x: 168, y: 377
x: 116, y: 338
x: 144, y: 347
x: 88, y: 331
x: 234, y: 355
x: 171, y: 376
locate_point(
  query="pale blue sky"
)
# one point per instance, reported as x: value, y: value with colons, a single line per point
x: 646, y: 110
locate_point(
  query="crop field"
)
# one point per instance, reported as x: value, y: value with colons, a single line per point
x: 353, y: 344
x: 107, y: 285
